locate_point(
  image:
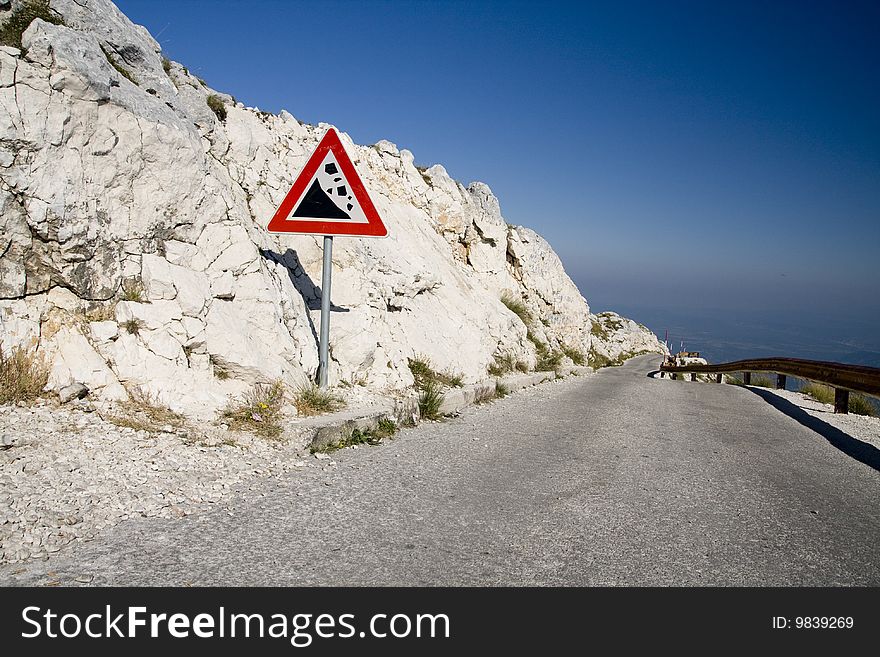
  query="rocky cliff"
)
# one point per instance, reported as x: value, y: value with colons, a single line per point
x: 134, y: 254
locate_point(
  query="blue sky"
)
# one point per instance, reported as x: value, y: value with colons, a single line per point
x: 677, y: 155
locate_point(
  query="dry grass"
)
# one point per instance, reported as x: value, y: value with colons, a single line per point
x: 144, y: 412
x: 858, y: 404
x: 23, y: 375
x: 258, y: 411
x: 311, y: 400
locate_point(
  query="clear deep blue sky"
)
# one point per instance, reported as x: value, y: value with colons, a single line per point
x: 695, y: 157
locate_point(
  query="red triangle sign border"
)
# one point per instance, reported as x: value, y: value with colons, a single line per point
x: 374, y: 227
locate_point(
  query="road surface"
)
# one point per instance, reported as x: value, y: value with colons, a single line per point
x: 612, y: 479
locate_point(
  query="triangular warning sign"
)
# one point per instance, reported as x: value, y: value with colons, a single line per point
x: 328, y: 197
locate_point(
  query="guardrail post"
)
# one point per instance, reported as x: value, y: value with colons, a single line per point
x: 747, y: 378
x: 841, y: 401
x: 780, y: 381
x: 718, y: 378
x: 693, y: 376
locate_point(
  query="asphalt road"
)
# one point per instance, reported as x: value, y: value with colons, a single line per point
x: 612, y: 479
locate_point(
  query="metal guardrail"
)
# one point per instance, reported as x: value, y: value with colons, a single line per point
x: 842, y: 377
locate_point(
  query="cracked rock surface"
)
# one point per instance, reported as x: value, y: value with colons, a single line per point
x: 116, y: 175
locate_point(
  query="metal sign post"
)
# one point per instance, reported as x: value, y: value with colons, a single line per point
x: 327, y: 198
x: 324, y: 339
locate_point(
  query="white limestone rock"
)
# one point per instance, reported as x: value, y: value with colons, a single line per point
x: 104, y: 180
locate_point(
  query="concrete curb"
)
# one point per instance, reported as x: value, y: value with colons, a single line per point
x: 327, y: 430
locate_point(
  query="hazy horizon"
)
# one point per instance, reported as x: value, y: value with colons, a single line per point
x: 690, y: 164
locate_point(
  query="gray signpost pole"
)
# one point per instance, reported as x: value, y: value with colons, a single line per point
x: 324, y: 339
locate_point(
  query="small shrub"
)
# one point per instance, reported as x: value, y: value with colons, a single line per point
x: 166, y: 65
x: 216, y: 104
x: 576, y: 356
x: 20, y: 19
x: 124, y: 72
x: 23, y: 375
x: 311, y: 400
x: 258, y: 411
x: 517, y: 307
x: 501, y: 390
x: 133, y: 290
x: 133, y: 326
x: 430, y: 400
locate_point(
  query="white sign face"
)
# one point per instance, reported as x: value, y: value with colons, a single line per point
x: 328, y: 196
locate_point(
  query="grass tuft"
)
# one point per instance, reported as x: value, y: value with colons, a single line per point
x: 517, y: 307
x: 20, y: 19
x: 258, y: 411
x: 311, y: 400
x: 424, y: 372
x: 216, y: 104
x: 133, y: 325
x: 23, y: 375
x: 166, y: 65
x: 430, y: 400
x: 143, y: 412
x: 133, y: 290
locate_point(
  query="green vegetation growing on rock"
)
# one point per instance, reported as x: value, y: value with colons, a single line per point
x: 258, y: 411
x: 216, y: 104
x: 20, y: 19
x: 124, y: 72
